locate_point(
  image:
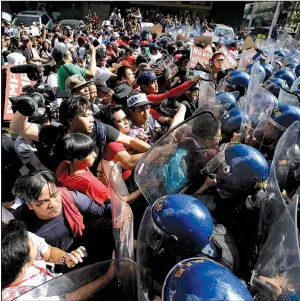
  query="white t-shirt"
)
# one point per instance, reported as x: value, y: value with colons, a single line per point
x: 102, y: 75
x: 52, y: 80
x: 36, y: 274
x: 154, y: 58
x: 16, y: 58
x: 81, y: 52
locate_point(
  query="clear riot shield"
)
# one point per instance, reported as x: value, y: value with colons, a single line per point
x: 279, y: 262
x: 296, y: 85
x: 121, y: 215
x: 207, y: 91
x: 257, y: 106
x: 143, y: 251
x: 288, y: 97
x: 113, y: 280
x: 285, y: 162
x: 176, y: 159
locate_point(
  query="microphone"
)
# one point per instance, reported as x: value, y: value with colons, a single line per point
x: 33, y: 71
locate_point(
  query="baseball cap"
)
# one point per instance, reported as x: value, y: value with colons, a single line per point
x: 75, y: 81
x: 59, y: 51
x: 103, y: 87
x: 122, y: 92
x: 24, y: 38
x: 146, y: 77
x: 138, y: 100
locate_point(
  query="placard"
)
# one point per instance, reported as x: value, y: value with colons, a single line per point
x: 180, y: 37
x: 14, y: 84
x: 248, y: 43
x: 199, y: 55
x: 246, y: 58
x: 206, y: 40
x: 230, y: 61
x: 155, y: 29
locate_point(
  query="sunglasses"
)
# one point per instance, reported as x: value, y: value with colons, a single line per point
x: 220, y: 60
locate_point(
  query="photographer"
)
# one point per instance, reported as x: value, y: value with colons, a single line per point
x: 76, y: 116
x: 66, y: 68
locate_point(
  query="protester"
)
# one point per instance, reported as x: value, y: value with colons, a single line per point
x: 24, y: 263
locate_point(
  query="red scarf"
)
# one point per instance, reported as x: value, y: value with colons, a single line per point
x: 74, y: 217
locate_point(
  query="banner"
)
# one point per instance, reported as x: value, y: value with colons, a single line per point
x: 230, y: 61
x: 14, y: 84
x: 199, y: 55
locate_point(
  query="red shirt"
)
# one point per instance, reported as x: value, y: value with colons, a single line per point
x: 96, y: 19
x: 110, y: 151
x: 85, y: 182
x: 157, y: 98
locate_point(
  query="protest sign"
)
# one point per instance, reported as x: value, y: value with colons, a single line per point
x: 230, y: 61
x: 180, y: 37
x: 209, y: 49
x: 199, y: 55
x: 248, y: 43
x: 202, y: 39
x: 167, y: 62
x: 14, y: 84
x: 246, y: 58
x: 155, y: 29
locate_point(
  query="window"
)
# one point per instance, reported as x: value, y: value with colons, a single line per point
x: 45, y: 19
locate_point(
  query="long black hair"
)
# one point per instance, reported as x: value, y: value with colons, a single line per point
x: 77, y: 146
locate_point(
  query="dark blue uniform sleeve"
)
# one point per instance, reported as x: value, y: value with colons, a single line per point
x: 88, y: 205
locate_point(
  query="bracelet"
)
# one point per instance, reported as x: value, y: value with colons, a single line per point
x: 63, y: 260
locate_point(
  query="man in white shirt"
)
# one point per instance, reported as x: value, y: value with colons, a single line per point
x: 16, y: 58
x: 102, y: 74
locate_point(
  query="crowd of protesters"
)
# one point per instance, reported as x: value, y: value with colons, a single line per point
x: 121, y: 102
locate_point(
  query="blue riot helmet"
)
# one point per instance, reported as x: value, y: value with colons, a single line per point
x: 268, y: 69
x: 286, y: 75
x: 273, y: 85
x: 291, y: 65
x: 242, y: 170
x: 202, y: 279
x: 261, y: 102
x: 231, y: 122
x: 237, y: 78
x: 293, y: 60
x: 196, y: 27
x: 260, y: 71
x: 285, y: 115
x: 192, y: 34
x: 297, y: 92
x: 279, y: 53
x: 227, y: 100
x: 184, y: 218
x: 297, y: 70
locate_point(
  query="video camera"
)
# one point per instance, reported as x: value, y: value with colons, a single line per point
x: 35, y: 100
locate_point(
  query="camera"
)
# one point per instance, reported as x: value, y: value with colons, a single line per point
x: 34, y: 99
